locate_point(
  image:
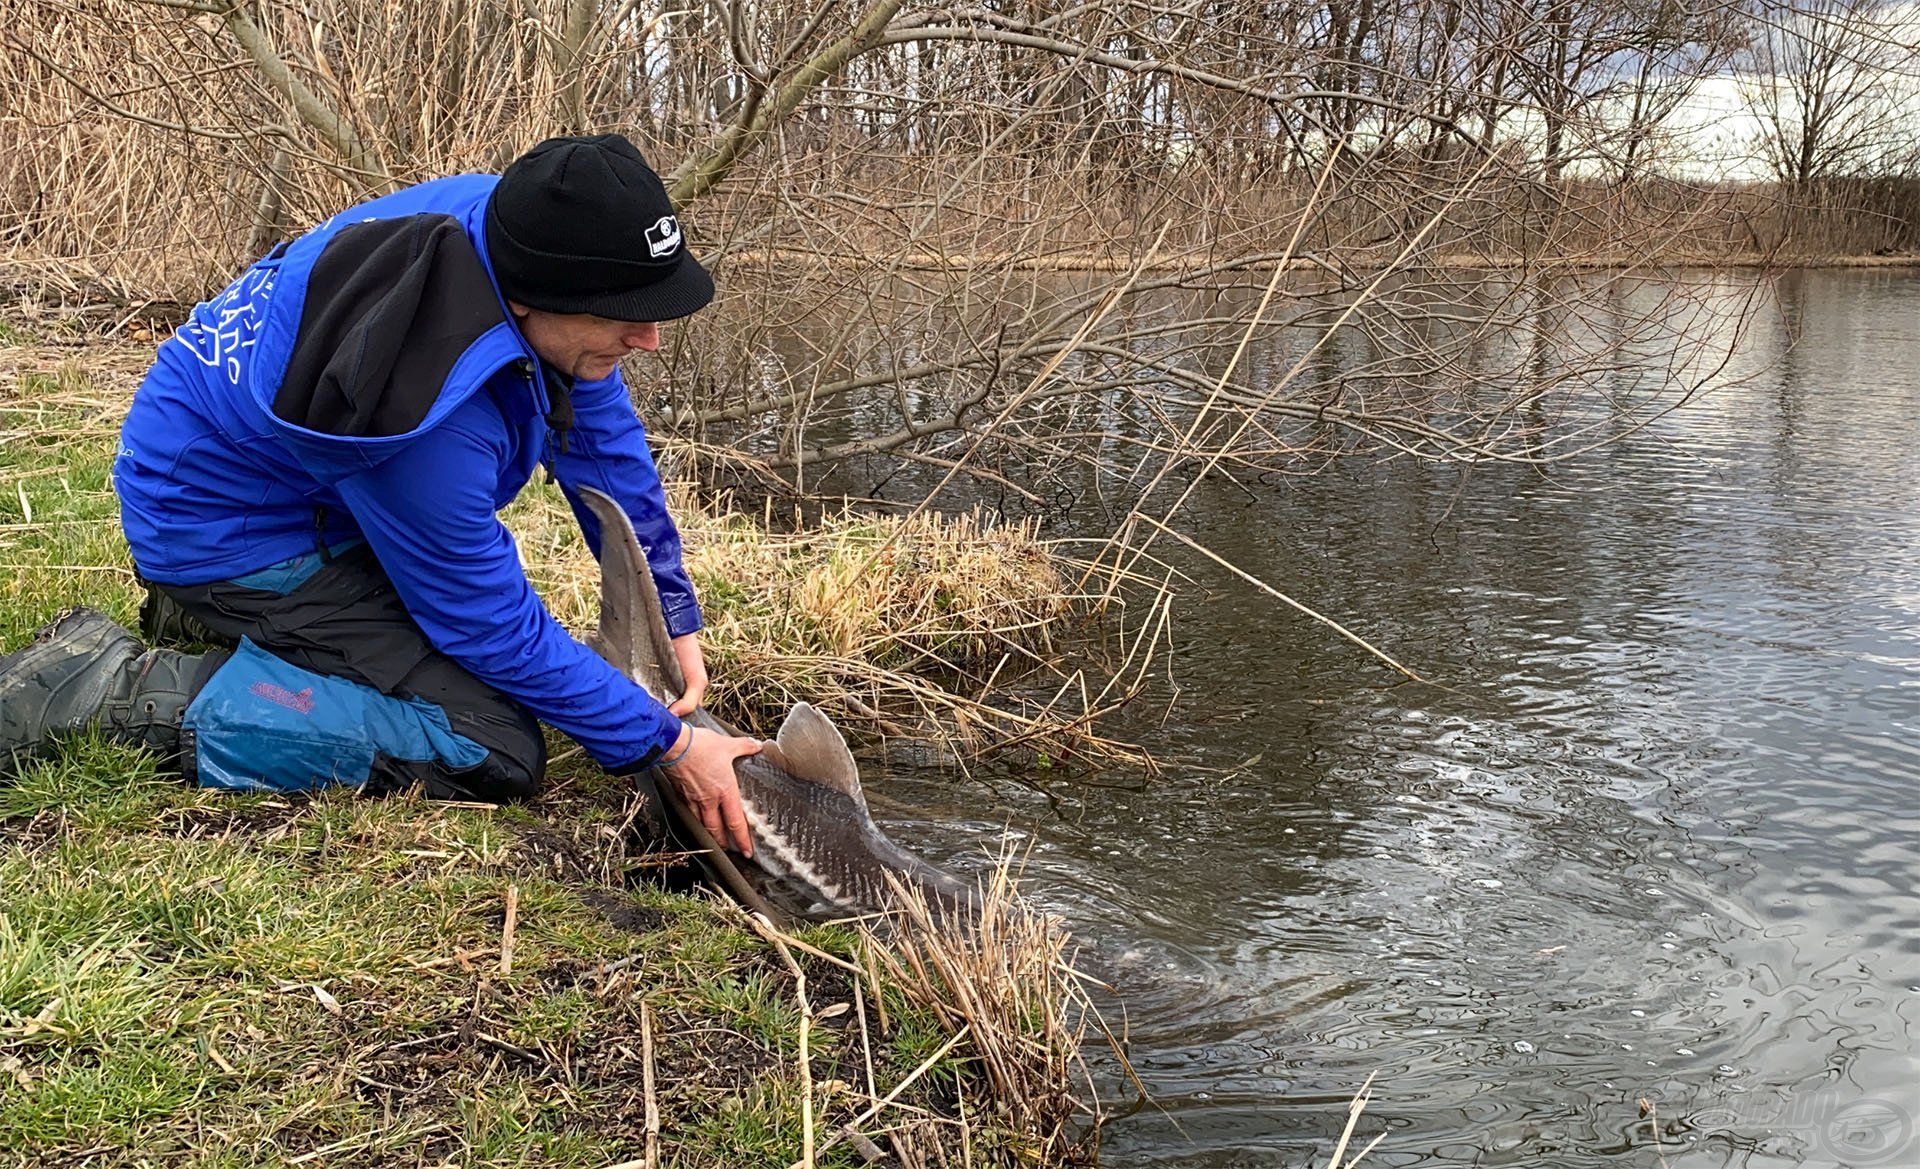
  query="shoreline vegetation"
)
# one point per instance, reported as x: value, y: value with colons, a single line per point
x: 1085, y: 262
x: 39, y: 288
x: 202, y: 979
x: 877, y: 187
x: 196, y: 978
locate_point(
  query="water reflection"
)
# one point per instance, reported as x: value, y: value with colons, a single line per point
x: 1660, y: 842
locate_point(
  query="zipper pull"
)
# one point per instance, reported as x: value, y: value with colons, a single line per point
x: 320, y: 534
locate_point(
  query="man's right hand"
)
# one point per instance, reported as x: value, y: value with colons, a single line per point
x: 705, y: 777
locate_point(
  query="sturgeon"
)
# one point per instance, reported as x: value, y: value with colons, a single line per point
x: 804, y: 806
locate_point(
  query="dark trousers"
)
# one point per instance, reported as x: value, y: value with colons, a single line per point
x: 346, y: 621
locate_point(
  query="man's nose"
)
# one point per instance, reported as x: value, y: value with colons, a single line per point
x: 643, y: 337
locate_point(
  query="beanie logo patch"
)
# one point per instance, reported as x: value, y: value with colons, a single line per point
x: 663, y: 238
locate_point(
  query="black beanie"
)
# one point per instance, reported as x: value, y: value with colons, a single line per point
x: 583, y: 225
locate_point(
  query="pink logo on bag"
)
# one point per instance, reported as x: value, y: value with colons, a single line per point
x: 302, y: 702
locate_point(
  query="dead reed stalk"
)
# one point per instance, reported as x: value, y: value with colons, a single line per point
x: 1017, y: 1015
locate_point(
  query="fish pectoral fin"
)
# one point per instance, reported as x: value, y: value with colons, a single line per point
x: 812, y: 748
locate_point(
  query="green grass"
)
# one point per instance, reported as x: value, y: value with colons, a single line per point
x: 59, y: 522
x: 196, y: 978
x: 203, y: 978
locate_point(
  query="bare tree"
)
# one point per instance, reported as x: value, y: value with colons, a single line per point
x: 1670, y: 48
x: 1832, y: 82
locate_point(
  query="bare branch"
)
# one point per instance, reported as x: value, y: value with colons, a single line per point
x: 338, y: 131
x: 122, y: 112
x: 698, y: 176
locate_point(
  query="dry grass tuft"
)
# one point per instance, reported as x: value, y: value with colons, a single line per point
x: 952, y: 592
x: 1007, y: 985
x: 994, y: 1072
x: 930, y: 626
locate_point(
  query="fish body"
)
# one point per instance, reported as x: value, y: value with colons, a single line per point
x: 827, y: 843
x: 812, y: 832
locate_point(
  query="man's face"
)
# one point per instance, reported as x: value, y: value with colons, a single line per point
x: 586, y: 346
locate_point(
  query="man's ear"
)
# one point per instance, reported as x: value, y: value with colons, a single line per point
x: 518, y: 309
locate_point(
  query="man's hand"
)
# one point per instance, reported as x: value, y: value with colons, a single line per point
x: 686, y: 649
x: 705, y: 777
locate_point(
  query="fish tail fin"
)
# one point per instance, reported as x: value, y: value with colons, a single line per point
x: 633, y: 638
x: 633, y: 625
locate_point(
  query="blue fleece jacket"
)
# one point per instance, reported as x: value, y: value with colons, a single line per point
x: 366, y: 381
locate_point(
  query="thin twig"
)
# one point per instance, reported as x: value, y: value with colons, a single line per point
x: 1354, y: 1108
x: 912, y: 1077
x: 766, y: 930
x: 646, y: 1086
x: 1276, y: 594
x: 507, y: 928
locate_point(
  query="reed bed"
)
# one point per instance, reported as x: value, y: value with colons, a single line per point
x: 1007, y: 982
x: 879, y: 190
x: 122, y: 107
x: 1015, y: 1016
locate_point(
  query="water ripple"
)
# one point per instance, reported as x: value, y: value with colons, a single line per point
x: 1643, y: 880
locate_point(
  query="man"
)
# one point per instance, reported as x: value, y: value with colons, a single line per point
x: 311, y: 472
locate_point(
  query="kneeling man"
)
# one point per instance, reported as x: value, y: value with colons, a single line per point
x: 311, y: 473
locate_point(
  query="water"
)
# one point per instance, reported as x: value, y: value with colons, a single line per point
x: 1659, y: 841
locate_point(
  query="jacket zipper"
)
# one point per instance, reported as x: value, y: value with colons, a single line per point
x: 556, y: 440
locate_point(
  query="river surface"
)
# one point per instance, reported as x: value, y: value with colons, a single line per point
x: 1658, y: 841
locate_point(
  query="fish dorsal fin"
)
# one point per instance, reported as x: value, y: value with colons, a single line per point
x: 812, y: 748
x: 633, y: 626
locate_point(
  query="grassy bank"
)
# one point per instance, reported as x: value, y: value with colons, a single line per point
x: 194, y: 978
x: 191, y: 978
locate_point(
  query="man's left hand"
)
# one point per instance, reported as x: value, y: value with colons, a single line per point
x: 686, y: 649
